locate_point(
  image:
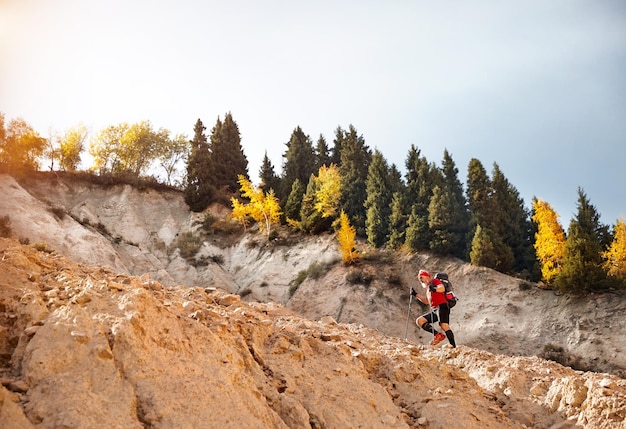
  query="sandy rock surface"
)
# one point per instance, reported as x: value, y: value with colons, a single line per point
x: 85, y: 347
x: 122, y: 329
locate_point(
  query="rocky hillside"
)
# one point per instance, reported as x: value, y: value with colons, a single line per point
x: 86, y: 347
x: 280, y: 333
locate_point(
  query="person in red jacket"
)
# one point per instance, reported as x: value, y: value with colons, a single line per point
x: 435, y: 297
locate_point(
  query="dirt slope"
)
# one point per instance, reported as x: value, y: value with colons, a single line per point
x: 135, y: 232
x: 86, y: 347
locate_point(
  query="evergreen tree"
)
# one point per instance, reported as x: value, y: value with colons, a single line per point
x: 378, y: 201
x: 442, y: 223
x: 479, y: 193
x: 549, y: 240
x: 459, y: 216
x: 397, y: 220
x: 299, y: 161
x: 512, y: 221
x: 310, y: 218
x: 335, y: 152
x: 583, y: 270
x: 227, y: 156
x: 199, y: 189
x: 355, y: 160
x: 294, y: 201
x: 420, y: 178
x: 268, y: 176
x: 479, y: 198
x: 484, y: 251
x: 322, y: 153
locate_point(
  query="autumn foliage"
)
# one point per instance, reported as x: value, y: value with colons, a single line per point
x: 346, y: 237
x: 263, y: 207
x: 549, y: 240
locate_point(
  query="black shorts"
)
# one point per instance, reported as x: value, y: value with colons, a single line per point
x: 444, y: 315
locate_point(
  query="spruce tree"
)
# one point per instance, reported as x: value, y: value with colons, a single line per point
x: 459, y: 216
x: 512, y: 223
x: 378, y: 201
x: 397, y: 220
x: 199, y: 189
x: 322, y: 153
x: 420, y: 178
x: 355, y: 160
x: 442, y: 223
x: 294, y: 201
x: 335, y: 151
x: 484, y: 251
x: 298, y: 161
x: 268, y: 176
x: 583, y: 270
x: 479, y: 198
x: 228, y: 158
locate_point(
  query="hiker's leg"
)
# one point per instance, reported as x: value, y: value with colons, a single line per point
x: 444, y: 314
x: 425, y: 322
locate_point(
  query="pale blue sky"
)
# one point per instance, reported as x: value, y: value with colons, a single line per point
x: 537, y: 86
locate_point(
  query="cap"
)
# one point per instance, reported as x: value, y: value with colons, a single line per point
x: 423, y: 273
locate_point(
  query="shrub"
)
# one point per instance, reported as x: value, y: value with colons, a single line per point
x: 188, y: 244
x: 42, y: 247
x: 359, y: 277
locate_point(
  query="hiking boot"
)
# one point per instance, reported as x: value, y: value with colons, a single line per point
x: 439, y: 337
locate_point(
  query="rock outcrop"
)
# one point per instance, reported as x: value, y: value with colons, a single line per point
x: 87, y: 347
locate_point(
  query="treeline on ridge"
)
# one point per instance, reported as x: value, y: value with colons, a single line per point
x: 484, y: 222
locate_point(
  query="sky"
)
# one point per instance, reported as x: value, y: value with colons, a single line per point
x: 538, y: 87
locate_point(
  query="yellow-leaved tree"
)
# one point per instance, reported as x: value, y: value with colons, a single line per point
x: 615, y: 255
x: 549, y: 240
x: 328, y: 190
x: 263, y: 208
x: 346, y: 236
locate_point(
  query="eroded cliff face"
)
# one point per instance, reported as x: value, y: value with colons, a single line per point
x: 135, y: 231
x: 87, y: 347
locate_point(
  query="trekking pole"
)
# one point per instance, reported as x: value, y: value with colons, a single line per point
x: 408, y: 316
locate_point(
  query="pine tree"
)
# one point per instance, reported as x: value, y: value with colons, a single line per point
x: 397, y: 220
x: 420, y: 179
x: 294, y: 201
x: 549, y: 240
x: 378, y: 201
x: 322, y: 153
x: 583, y: 270
x: 268, y: 176
x: 512, y: 221
x: 355, y: 160
x: 199, y: 189
x: 335, y: 151
x: 484, y: 251
x: 227, y: 156
x: 442, y: 223
x: 479, y: 197
x: 299, y: 161
x: 458, y: 226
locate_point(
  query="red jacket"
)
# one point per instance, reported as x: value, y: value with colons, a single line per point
x: 436, y: 298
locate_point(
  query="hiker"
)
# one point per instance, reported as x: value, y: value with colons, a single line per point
x: 435, y: 297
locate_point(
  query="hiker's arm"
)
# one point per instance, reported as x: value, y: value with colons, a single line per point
x: 421, y: 298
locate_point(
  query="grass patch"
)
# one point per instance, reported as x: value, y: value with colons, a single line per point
x: 188, y: 244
